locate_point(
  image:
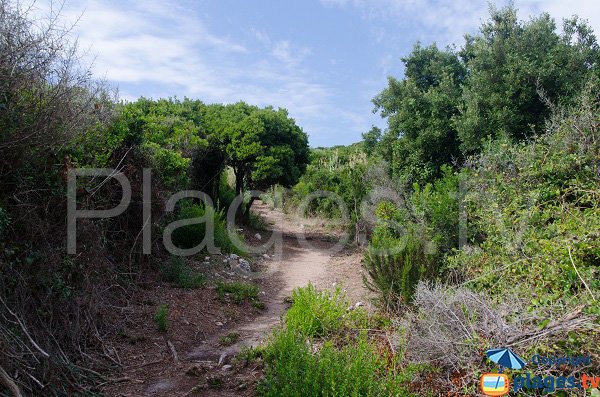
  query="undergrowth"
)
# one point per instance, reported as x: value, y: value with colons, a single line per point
x: 177, y: 272
x: 237, y: 291
x: 324, y: 349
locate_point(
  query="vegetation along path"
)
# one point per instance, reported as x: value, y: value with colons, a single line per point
x: 210, y: 367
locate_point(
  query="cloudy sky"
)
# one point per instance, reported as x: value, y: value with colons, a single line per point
x: 322, y: 60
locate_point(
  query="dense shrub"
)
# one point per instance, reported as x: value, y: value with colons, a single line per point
x: 324, y: 350
x: 396, y: 265
x: 358, y: 369
x: 339, y: 170
x: 536, y: 210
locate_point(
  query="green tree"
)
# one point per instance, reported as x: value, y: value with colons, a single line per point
x: 420, y: 137
x: 511, y: 63
x: 264, y: 147
x: 371, y: 139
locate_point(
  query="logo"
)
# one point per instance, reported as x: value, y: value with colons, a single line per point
x: 494, y: 384
x: 498, y: 384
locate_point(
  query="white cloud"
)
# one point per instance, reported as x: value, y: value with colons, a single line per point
x: 159, y: 49
x: 446, y: 21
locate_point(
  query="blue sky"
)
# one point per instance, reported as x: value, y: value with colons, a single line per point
x: 323, y: 60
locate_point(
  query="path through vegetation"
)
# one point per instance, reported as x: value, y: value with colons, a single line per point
x: 205, y: 366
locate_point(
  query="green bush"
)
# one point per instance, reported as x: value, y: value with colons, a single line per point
x: 536, y: 209
x: 357, y: 369
x: 256, y: 222
x: 161, y: 318
x: 238, y: 291
x: 192, y: 235
x: 176, y: 271
x: 396, y: 265
x: 315, y: 313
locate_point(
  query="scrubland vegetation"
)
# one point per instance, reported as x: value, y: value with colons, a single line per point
x: 480, y: 203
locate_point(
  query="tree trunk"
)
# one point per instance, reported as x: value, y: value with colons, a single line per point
x: 247, y: 209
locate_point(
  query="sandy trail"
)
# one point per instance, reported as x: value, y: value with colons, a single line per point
x: 305, y: 255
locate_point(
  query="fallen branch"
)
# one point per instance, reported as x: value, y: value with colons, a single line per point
x: 173, y: 351
x: 9, y: 383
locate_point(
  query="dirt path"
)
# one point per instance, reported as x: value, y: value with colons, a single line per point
x: 302, y: 253
x: 296, y: 263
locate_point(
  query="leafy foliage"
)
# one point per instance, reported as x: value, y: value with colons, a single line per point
x: 536, y: 209
x: 298, y: 365
x: 192, y: 235
x: 339, y: 170
x: 498, y: 85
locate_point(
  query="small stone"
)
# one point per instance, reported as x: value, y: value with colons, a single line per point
x: 258, y: 236
x: 233, y: 256
x: 244, y: 265
x: 206, y: 258
x: 227, y: 367
x: 263, y: 293
x: 219, y: 324
x: 266, y: 256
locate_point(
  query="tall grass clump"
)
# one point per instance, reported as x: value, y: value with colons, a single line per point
x: 396, y: 265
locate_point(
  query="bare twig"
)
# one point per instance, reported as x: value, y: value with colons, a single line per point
x: 579, y: 275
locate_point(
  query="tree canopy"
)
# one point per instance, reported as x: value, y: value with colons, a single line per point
x: 501, y: 83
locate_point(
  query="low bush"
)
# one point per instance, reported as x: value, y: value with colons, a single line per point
x: 256, y: 222
x: 317, y: 314
x: 161, y: 318
x: 176, y: 271
x: 359, y: 369
x: 238, y: 291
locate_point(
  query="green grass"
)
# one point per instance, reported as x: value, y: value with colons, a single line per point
x: 177, y: 272
x: 238, y: 291
x: 161, y: 318
x: 315, y: 313
x: 229, y: 339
